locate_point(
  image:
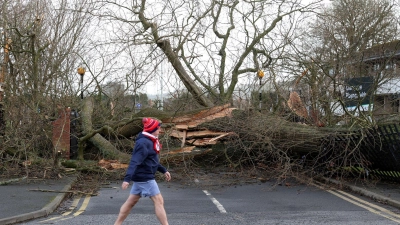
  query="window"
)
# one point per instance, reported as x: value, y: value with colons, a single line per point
x: 379, y: 101
x: 389, y: 65
x: 377, y: 66
x: 331, y: 72
x: 396, y: 105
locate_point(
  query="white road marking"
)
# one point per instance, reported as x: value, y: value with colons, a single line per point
x: 215, y: 201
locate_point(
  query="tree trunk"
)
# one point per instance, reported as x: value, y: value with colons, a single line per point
x: 108, y: 150
x: 93, y: 136
x: 173, y: 58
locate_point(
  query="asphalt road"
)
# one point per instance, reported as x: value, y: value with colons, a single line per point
x: 258, y: 203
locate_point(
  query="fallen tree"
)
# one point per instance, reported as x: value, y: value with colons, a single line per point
x: 183, y: 126
x: 205, y: 128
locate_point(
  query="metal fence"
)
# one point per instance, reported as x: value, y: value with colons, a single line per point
x: 370, y: 152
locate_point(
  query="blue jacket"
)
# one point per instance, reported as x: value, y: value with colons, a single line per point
x: 144, y: 162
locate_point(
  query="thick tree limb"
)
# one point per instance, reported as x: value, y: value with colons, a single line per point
x: 71, y: 192
x: 93, y: 136
x: 173, y: 58
x: 12, y: 180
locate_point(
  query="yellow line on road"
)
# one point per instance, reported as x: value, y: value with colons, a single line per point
x: 390, y: 217
x: 73, y: 206
x: 361, y: 203
x: 370, y: 204
x: 83, y: 206
x: 51, y: 219
x: 70, y: 209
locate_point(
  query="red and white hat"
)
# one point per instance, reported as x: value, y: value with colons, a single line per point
x: 150, y: 125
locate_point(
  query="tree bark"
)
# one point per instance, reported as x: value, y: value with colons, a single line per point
x: 93, y: 136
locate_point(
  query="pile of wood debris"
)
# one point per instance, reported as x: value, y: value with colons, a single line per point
x: 187, y: 128
x: 112, y: 164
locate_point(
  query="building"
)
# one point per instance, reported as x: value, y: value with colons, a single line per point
x: 372, y: 80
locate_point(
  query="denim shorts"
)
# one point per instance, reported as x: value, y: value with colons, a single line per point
x: 145, y: 189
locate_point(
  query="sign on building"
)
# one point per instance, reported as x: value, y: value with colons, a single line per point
x: 358, y: 91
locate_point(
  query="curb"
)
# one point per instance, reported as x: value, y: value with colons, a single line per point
x: 367, y: 193
x: 46, y: 210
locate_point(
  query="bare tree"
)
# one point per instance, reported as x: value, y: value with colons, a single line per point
x: 44, y: 46
x: 335, y: 48
x: 210, y: 45
x: 346, y: 40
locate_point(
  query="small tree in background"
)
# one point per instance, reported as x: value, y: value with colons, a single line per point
x: 44, y: 47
